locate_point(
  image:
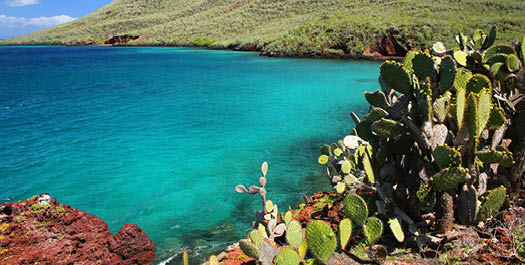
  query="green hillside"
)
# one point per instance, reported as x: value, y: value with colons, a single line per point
x: 287, y: 26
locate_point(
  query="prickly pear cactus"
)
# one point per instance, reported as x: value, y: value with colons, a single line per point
x: 423, y: 66
x: 449, y: 178
x: 256, y: 237
x: 446, y: 156
x: 249, y: 249
x: 492, y: 202
x: 287, y: 256
x: 377, y: 99
x: 396, y: 77
x: 356, y: 209
x: 373, y: 229
x: 497, y: 118
x: 447, y: 74
x: 388, y: 128
x: 322, y: 241
x: 303, y: 248
x: 468, y: 205
x: 344, y: 232
x: 395, y: 227
x: 494, y: 156
x: 478, y: 82
x: 441, y: 107
x: 294, y: 234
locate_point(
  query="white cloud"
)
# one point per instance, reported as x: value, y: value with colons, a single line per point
x: 15, y: 3
x: 41, y: 22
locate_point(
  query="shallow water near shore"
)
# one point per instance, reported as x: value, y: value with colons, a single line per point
x: 160, y: 136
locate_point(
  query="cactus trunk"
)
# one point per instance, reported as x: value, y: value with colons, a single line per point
x: 444, y: 213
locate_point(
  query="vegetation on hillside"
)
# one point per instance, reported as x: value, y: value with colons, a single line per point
x: 442, y: 148
x: 288, y: 27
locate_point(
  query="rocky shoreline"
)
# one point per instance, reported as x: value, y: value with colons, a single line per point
x: 39, y: 230
x: 391, y: 46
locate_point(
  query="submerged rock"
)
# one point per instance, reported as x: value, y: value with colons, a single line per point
x: 41, y: 231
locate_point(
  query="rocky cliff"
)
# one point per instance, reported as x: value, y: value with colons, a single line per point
x: 41, y: 231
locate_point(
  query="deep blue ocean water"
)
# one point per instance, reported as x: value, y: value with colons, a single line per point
x: 160, y: 136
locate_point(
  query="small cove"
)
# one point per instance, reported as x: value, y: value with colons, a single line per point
x: 161, y: 136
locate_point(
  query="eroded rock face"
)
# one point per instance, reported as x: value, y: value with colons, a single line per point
x: 388, y: 46
x: 116, y: 40
x: 41, y: 230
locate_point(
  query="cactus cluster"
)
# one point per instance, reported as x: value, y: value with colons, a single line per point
x: 439, y: 120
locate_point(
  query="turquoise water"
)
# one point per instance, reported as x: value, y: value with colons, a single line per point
x: 160, y: 136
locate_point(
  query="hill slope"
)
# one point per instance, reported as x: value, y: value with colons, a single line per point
x: 287, y: 26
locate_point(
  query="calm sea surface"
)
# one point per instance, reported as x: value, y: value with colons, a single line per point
x: 160, y: 136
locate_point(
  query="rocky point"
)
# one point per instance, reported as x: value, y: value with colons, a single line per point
x: 41, y: 231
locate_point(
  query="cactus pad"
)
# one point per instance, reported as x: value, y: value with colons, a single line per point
x: 377, y: 99
x: 395, y: 227
x: 302, y: 249
x: 478, y: 112
x: 287, y: 217
x: 449, y: 178
x: 396, y: 77
x: 497, y: 118
x: 441, y: 107
x: 494, y: 156
x: 460, y: 106
x: 388, y: 128
x: 340, y: 187
x: 294, y: 234
x: 497, y: 70
x: 439, y: 48
x: 407, y: 62
x: 460, y: 57
x: 483, y: 115
x: 264, y: 168
x: 497, y: 58
x: 477, y: 82
x: 490, y: 38
x: 321, y: 240
x: 506, y: 49
x: 368, y: 168
x: 373, y: 229
x: 423, y: 66
x: 447, y: 73
x: 268, y: 206
x: 446, y: 156
x: 344, y: 232
x: 256, y: 237
x: 513, y: 63
x: 356, y: 209
x: 326, y: 150
x: 462, y: 77
x: 492, y: 202
x: 355, y: 118
x: 287, y: 256
x: 468, y: 205
x: 346, y: 166
x: 249, y: 249
x: 323, y: 159
x: 375, y: 114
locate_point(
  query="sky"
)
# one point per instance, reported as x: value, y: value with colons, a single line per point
x: 19, y: 17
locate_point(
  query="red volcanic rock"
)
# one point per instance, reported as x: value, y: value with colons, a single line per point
x: 119, y: 39
x: 40, y: 231
x: 390, y: 46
